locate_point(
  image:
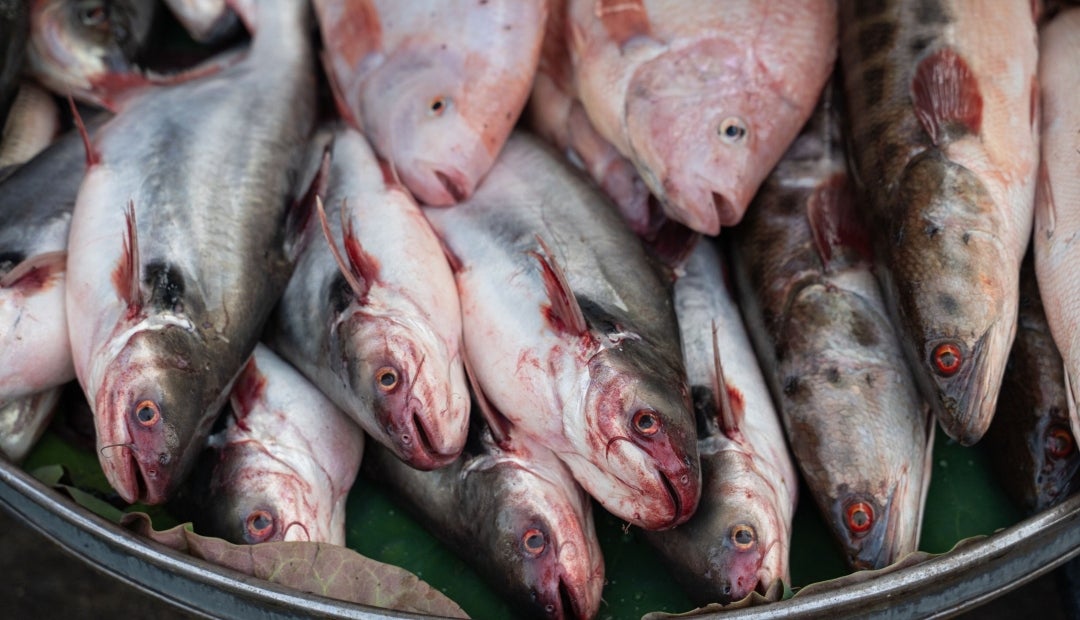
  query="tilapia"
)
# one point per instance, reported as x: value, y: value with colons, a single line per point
x: 570, y: 333
x: 860, y: 432
x: 23, y: 421
x: 14, y: 26
x: 1032, y: 449
x: 943, y: 107
x: 207, y: 21
x: 703, y: 98
x: 435, y: 86
x: 282, y: 467
x: 374, y: 319
x: 32, y: 124
x: 180, y: 245
x: 515, y: 514
x: 739, y: 539
x: 1057, y: 216
x: 87, y: 48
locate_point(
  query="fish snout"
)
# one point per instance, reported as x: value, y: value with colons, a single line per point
x: 963, y: 377
x: 683, y: 489
x: 419, y: 442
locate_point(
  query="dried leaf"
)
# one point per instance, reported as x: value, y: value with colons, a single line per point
x: 778, y: 591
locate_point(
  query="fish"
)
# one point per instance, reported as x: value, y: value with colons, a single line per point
x: 1032, y: 448
x: 436, y: 87
x: 371, y: 314
x: 570, y: 334
x: 945, y: 152
x: 182, y: 240
x: 87, y: 48
x: 14, y: 26
x: 859, y: 429
x: 23, y: 421
x: 682, y: 91
x: 739, y: 539
x: 36, y: 203
x: 514, y: 513
x: 32, y: 123
x: 207, y: 21
x: 283, y: 465
x: 1056, y: 227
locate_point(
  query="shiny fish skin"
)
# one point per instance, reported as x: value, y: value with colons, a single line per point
x: 437, y: 91
x: 576, y: 392
x: 943, y: 106
x: 748, y: 479
x: 489, y: 503
x: 1057, y: 216
x: 859, y: 430
x: 406, y: 322
x: 209, y: 166
x: 23, y: 421
x: 665, y: 84
x: 32, y: 124
x: 283, y: 465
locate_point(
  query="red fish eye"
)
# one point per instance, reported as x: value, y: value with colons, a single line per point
x: 947, y: 359
x: 646, y: 422
x: 534, y: 541
x: 860, y: 517
x: 387, y: 378
x: 743, y: 536
x: 1059, y: 442
x: 260, y: 524
x: 147, y: 413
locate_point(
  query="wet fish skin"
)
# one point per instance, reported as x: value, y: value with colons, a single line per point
x: 949, y: 187
x: 32, y: 123
x: 14, y: 25
x: 437, y: 91
x: 164, y: 331
x: 23, y: 421
x: 494, y: 503
x: 858, y: 428
x: 739, y: 539
x: 405, y: 323
x: 1032, y: 448
x: 207, y: 21
x: 284, y: 463
x: 576, y: 388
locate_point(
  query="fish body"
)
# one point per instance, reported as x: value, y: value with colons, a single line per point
x: 436, y: 87
x: 1056, y: 217
x: 943, y: 105
x: 32, y: 123
x: 380, y: 333
x: 284, y: 463
x: 179, y: 249
x: 570, y: 333
x: 857, y: 426
x: 515, y: 514
x: 23, y: 420
x: 739, y: 539
x: 682, y: 90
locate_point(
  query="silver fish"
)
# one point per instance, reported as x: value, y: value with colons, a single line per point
x: 23, y: 421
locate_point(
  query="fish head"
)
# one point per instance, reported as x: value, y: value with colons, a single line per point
x: 1056, y: 461
x: 77, y: 46
x: 153, y: 410
x: 423, y: 123
x: 416, y: 388
x: 705, y: 134
x: 954, y: 286
x: 640, y: 428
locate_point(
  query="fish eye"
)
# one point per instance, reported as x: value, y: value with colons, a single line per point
x: 743, y: 536
x: 733, y: 130
x: 260, y: 525
x: 859, y: 517
x: 92, y: 14
x: 1059, y: 442
x: 147, y: 413
x: 534, y: 542
x: 646, y: 422
x: 387, y: 378
x: 947, y: 359
x: 439, y: 105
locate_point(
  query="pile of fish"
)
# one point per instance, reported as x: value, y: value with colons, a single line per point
x: 484, y: 235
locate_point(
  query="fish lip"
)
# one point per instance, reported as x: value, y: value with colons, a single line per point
x: 455, y: 184
x: 422, y: 453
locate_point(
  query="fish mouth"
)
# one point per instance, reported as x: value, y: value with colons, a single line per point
x: 454, y: 183
x: 567, y: 601
x: 416, y: 447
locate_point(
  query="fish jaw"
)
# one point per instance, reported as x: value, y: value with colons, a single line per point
x: 960, y: 322
x: 416, y: 388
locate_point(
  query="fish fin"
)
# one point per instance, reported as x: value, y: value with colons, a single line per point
x: 946, y: 96
x: 623, y: 19
x: 125, y: 275
x: 299, y: 213
x: 496, y: 421
x: 565, y: 312
x: 339, y: 97
x: 456, y: 266
x: 358, y: 286
x: 35, y: 271
x: 834, y: 223
x: 92, y: 156
x: 729, y: 401
x: 248, y: 389
x: 364, y: 265
x: 1044, y: 201
x: 672, y: 243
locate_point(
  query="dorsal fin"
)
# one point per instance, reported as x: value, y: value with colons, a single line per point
x: 623, y: 19
x: 729, y: 413
x: 946, y: 96
x: 342, y: 106
x: 299, y: 213
x: 125, y: 276
x: 248, y: 389
x: 35, y: 271
x: 92, y: 156
x: 497, y: 423
x: 358, y: 286
x: 364, y: 265
x: 565, y: 313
